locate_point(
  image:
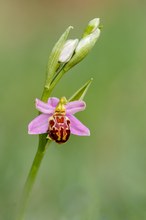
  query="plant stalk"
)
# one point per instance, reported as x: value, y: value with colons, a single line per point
x: 32, y: 175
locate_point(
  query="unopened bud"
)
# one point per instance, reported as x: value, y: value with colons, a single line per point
x: 68, y: 50
x: 86, y: 43
x: 90, y: 36
x: 92, y: 26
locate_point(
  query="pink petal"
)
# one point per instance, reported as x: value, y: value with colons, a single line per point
x: 76, y: 106
x: 52, y: 102
x: 43, y: 107
x: 77, y: 127
x: 39, y: 125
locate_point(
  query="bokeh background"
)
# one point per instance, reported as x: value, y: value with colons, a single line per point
x: 101, y: 177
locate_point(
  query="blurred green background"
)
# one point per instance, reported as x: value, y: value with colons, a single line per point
x: 101, y: 177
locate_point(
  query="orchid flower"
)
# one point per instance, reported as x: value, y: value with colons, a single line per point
x: 58, y: 120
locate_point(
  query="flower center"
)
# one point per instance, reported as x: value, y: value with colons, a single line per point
x: 60, y: 108
x: 59, y: 123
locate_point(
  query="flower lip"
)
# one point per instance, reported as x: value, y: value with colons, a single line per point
x: 39, y: 125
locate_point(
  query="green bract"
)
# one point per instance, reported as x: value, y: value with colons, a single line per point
x: 80, y: 93
x: 54, y: 56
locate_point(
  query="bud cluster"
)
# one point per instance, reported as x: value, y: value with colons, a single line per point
x: 75, y: 50
x: 67, y: 53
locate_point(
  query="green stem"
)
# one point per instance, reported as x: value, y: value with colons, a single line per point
x: 46, y: 94
x: 43, y: 143
x: 57, y: 79
x: 48, y: 88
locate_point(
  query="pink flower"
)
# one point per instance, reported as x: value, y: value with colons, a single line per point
x: 58, y: 120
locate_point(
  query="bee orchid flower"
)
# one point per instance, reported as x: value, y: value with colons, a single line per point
x: 57, y: 119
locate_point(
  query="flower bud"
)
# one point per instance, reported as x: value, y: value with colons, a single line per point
x: 86, y: 43
x: 90, y: 36
x: 92, y: 26
x: 68, y: 50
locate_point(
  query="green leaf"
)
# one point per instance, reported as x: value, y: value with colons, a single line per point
x: 54, y: 57
x: 80, y: 94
